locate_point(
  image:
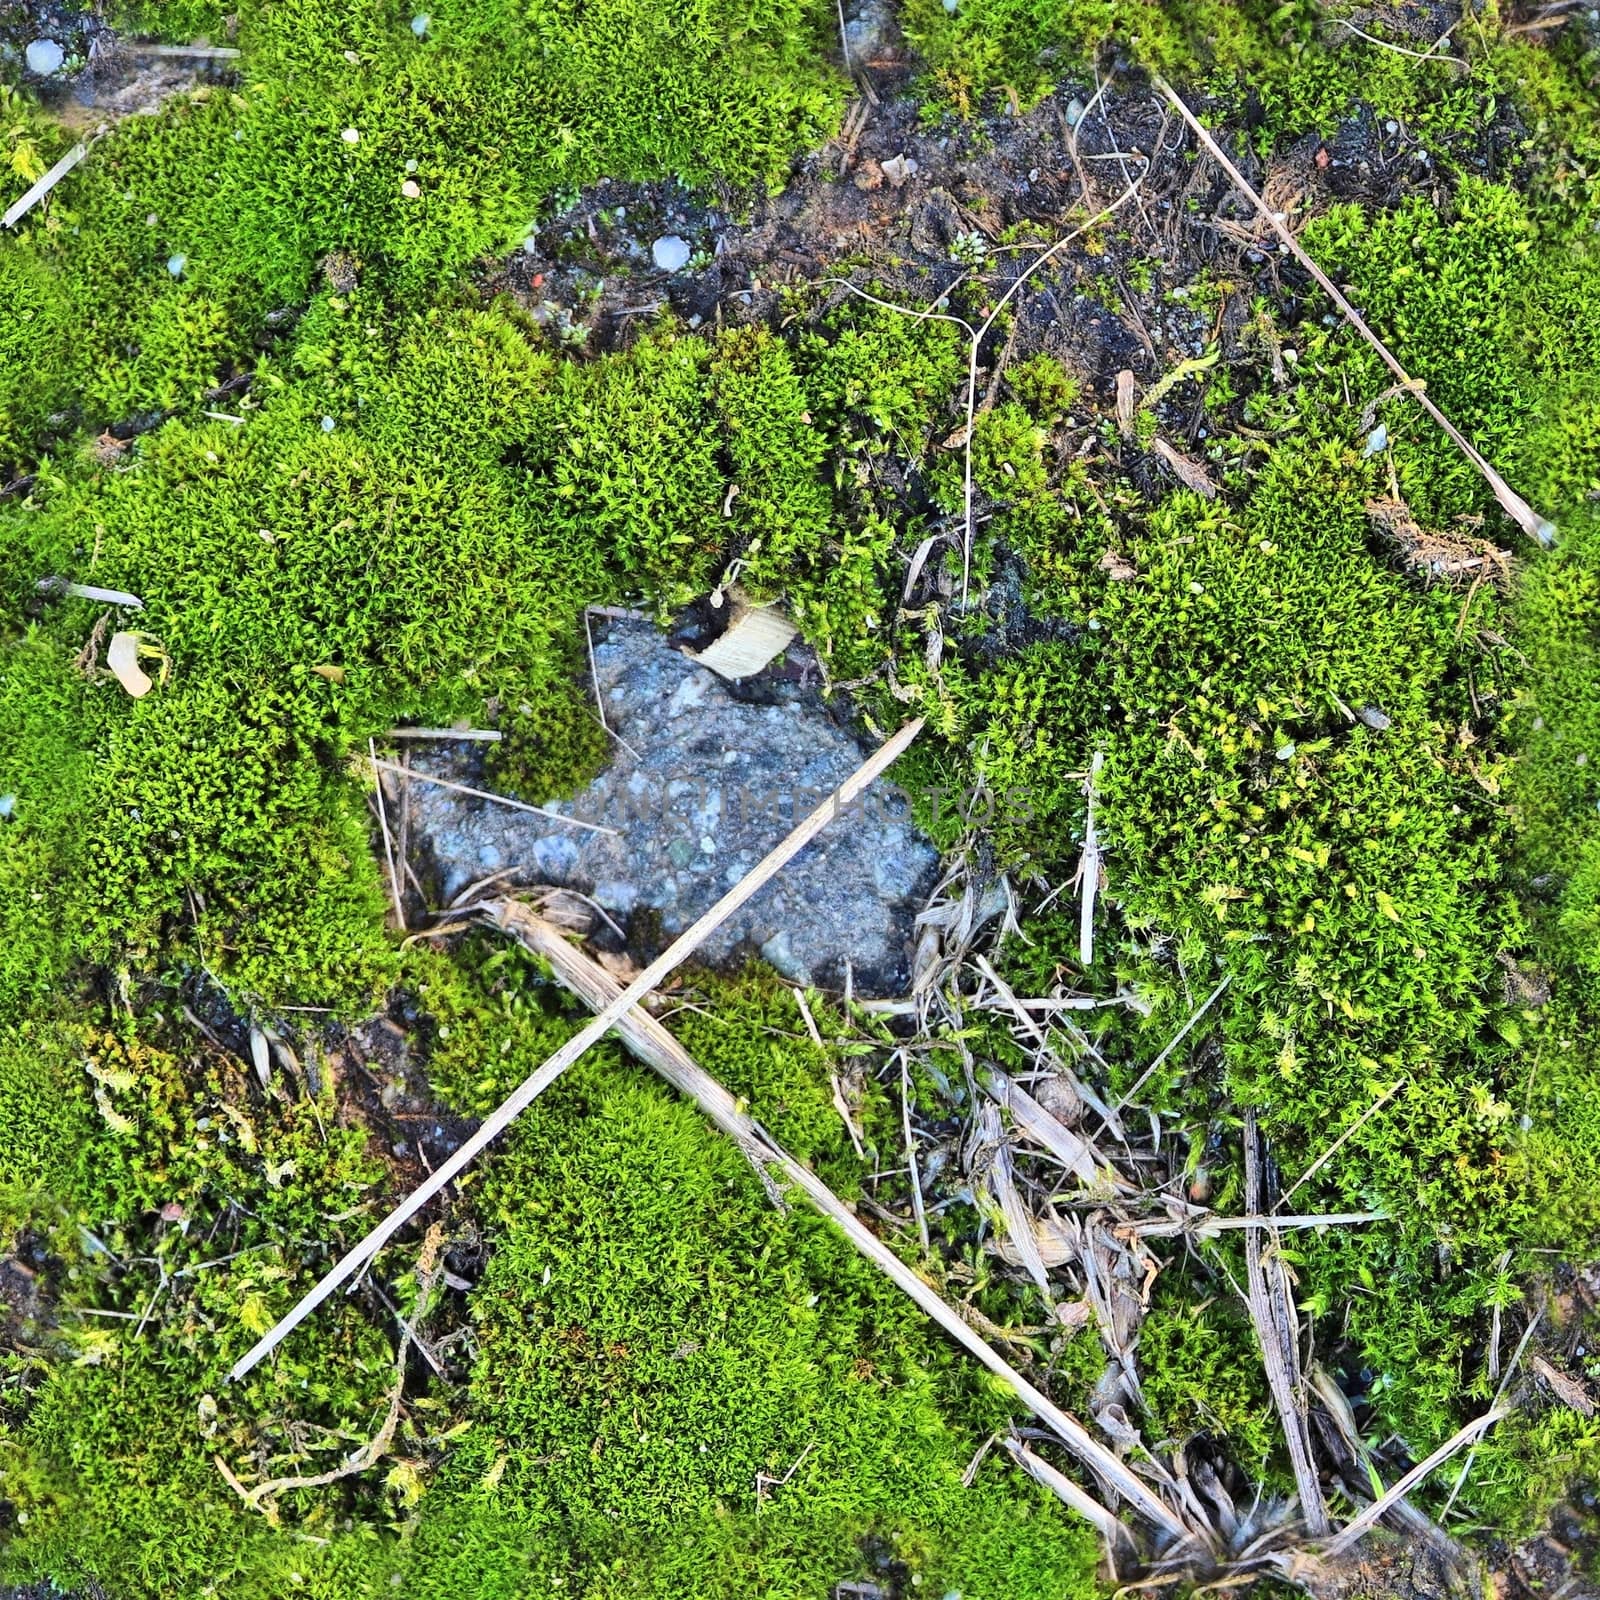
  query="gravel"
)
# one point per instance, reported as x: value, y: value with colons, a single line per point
x: 722, y: 774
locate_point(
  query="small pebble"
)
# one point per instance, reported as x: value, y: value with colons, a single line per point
x: 411, y: 188
x: 328, y: 424
x: 351, y: 136
x: 1285, y: 752
x: 1075, y: 111
x: 44, y: 57
x: 1373, y: 718
x: 670, y: 253
x: 411, y: 165
x: 1391, y: 126
x: 8, y: 804
x: 176, y: 264
x: 1377, y: 441
x: 419, y: 25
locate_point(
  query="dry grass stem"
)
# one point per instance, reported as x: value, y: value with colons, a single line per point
x: 651, y: 1041
x: 1514, y: 506
x: 498, y: 799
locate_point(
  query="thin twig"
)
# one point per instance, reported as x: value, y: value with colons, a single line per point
x: 478, y: 735
x: 1177, y: 1039
x: 498, y: 799
x: 1515, y: 507
x: 1500, y: 1394
x: 976, y: 337
x: 377, y: 1446
x: 33, y: 196
x: 1338, y: 1144
x: 1089, y: 868
x: 533, y: 1086
x: 388, y: 847
x: 1369, y: 1517
x: 1271, y: 1311
x: 1400, y: 50
x: 1060, y: 1485
x: 599, y: 699
x: 917, y: 1208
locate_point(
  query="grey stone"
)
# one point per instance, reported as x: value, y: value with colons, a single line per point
x: 718, y: 781
x: 44, y: 57
x: 670, y: 253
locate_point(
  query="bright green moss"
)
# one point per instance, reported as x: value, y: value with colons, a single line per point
x: 169, y: 250
x: 653, y: 1336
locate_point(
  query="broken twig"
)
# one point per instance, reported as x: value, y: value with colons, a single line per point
x: 498, y: 799
x: 681, y: 1070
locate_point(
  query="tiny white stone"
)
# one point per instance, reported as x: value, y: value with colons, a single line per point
x: 176, y: 264
x: 328, y: 424
x: 419, y: 25
x: 351, y: 136
x: 1285, y: 752
x: 670, y: 253
x: 411, y: 188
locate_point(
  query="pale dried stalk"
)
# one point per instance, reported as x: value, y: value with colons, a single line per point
x: 1060, y: 1485
x: 976, y: 336
x: 1276, y: 1330
x: 649, y: 1040
x: 475, y: 735
x: 1089, y: 869
x: 1370, y: 1516
x: 388, y: 846
x: 1177, y: 1039
x: 427, y: 1271
x: 1349, y: 1133
x: 1512, y: 503
x: 43, y: 187
x: 413, y: 775
x: 532, y: 1087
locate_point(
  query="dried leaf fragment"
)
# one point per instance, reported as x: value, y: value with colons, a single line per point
x: 122, y: 657
x: 1569, y: 1391
x: 1125, y: 402
x: 1190, y: 473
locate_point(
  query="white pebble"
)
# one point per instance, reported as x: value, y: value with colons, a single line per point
x: 419, y: 25
x: 328, y: 424
x: 176, y: 264
x: 670, y: 253
x: 351, y: 136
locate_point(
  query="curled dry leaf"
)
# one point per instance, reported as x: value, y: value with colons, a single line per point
x: 122, y: 657
x: 1569, y: 1391
x: 1190, y: 473
x: 1117, y: 567
x: 1125, y: 401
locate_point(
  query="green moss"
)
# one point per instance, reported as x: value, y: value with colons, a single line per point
x: 656, y: 1338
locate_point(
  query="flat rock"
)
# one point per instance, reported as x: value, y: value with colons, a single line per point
x: 718, y: 780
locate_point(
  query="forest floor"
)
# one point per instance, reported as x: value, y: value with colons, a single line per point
x: 1207, y: 1026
